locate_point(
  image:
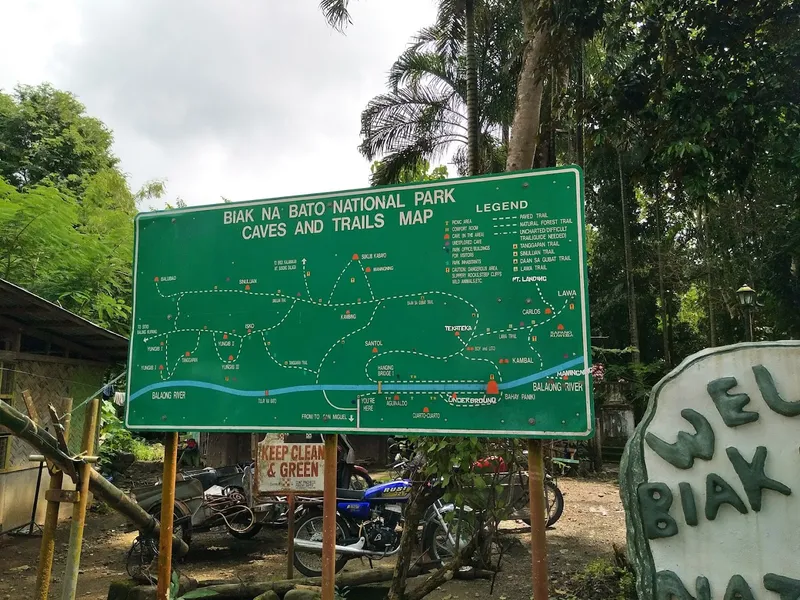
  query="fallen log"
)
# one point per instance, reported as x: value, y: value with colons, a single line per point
x: 239, y: 591
x: 24, y: 428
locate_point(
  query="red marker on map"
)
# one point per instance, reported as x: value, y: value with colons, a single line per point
x: 355, y: 256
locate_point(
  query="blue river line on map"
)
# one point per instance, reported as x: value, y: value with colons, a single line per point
x: 387, y: 387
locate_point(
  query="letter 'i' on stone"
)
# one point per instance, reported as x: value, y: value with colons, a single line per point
x: 718, y: 492
x: 654, y: 502
x: 730, y: 406
x: 682, y: 453
x: 688, y: 503
x: 786, y: 587
x: 771, y: 396
x: 738, y: 589
x: 753, y: 477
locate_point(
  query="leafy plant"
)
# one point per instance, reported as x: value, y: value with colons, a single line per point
x: 601, y: 580
x: 115, y: 439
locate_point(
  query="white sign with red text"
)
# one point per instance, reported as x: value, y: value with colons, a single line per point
x: 284, y: 467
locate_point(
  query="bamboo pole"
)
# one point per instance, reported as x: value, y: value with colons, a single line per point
x: 167, y: 516
x: 44, y: 570
x: 79, y: 508
x: 45, y: 443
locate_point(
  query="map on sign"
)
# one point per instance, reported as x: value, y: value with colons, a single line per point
x: 449, y: 307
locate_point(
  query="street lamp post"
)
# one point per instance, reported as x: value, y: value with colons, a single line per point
x: 747, y: 300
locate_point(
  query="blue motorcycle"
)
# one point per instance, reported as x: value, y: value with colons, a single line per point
x: 368, y: 526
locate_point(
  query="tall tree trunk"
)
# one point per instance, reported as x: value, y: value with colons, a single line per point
x: 525, y: 128
x: 712, y: 317
x: 633, y: 319
x: 581, y: 99
x: 472, y: 92
x: 662, y: 295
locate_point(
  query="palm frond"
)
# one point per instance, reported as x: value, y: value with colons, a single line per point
x: 450, y: 21
x: 393, y: 166
x: 398, y: 120
x: 414, y: 68
x: 336, y: 13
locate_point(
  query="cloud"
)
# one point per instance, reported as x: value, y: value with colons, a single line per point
x: 244, y: 98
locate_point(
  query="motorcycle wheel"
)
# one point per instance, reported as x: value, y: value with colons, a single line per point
x: 436, y: 543
x: 185, y: 531
x: 553, y: 501
x: 360, y: 480
x: 247, y: 534
x: 309, y: 528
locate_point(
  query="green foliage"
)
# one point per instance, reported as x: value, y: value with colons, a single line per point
x: 601, y: 580
x: 384, y: 173
x: 115, y: 439
x: 47, y: 138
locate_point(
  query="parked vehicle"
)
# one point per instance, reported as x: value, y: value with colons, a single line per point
x: 497, y: 471
x: 367, y: 525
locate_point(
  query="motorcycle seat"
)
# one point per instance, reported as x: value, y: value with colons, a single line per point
x: 342, y: 494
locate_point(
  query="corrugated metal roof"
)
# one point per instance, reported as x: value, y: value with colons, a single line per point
x: 20, y: 308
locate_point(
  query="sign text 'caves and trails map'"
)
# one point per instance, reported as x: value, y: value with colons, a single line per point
x: 450, y: 307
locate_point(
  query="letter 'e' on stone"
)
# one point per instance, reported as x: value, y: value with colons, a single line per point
x: 730, y: 406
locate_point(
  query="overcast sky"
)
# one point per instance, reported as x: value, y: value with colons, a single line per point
x: 239, y: 98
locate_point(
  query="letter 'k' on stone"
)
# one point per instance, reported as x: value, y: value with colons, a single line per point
x: 753, y: 477
x: 682, y: 453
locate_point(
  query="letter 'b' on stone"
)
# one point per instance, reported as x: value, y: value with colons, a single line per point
x: 682, y: 453
x: 654, y: 502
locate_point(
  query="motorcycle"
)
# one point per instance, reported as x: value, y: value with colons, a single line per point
x: 515, y: 484
x: 367, y: 526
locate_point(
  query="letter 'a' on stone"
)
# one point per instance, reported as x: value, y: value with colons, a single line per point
x: 682, y: 453
x: 786, y: 587
x: 753, y: 477
x: 718, y: 492
x: 670, y: 587
x: 771, y: 396
x: 654, y: 501
x: 730, y: 406
x: 738, y: 589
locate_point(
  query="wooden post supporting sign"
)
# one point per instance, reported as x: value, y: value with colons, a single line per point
x: 167, y: 516
x: 290, y: 547
x: 329, y: 518
x: 538, y: 521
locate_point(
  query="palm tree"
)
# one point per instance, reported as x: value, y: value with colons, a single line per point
x: 456, y: 19
x: 425, y: 111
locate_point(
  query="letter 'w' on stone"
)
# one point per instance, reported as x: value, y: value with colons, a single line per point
x: 786, y: 587
x: 771, y: 395
x: 753, y: 477
x: 730, y: 406
x: 682, y: 453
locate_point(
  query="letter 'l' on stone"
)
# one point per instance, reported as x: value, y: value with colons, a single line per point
x: 770, y: 393
x: 753, y: 477
x: 682, y: 453
x: 730, y: 406
x: 655, y: 498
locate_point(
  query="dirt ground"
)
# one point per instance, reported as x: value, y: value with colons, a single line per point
x: 593, y: 520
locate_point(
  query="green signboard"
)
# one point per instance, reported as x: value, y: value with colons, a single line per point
x: 450, y: 307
